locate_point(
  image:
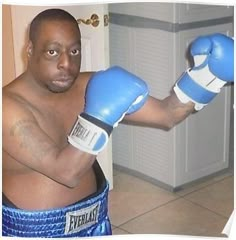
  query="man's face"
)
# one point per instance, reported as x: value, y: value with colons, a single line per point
x: 55, y: 56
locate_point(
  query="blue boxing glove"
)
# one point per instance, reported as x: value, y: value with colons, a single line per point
x: 110, y: 94
x: 214, y: 66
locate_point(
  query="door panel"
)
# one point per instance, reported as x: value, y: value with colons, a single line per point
x: 8, y: 66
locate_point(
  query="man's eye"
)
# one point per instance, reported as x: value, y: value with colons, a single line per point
x: 52, y: 53
x: 75, y: 52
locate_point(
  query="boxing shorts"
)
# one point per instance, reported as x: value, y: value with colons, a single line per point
x: 88, y: 217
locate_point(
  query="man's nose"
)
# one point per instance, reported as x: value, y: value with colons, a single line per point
x: 64, y: 61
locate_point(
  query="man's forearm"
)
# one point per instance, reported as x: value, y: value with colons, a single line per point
x: 164, y: 114
x: 176, y: 110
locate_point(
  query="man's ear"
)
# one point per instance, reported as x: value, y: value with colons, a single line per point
x: 29, y: 49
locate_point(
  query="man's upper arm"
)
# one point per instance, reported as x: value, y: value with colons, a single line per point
x: 23, y: 139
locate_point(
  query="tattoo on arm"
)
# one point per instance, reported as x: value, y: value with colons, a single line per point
x: 24, y: 129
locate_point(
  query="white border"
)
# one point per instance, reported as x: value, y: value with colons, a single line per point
x: 69, y: 2
x: 230, y: 228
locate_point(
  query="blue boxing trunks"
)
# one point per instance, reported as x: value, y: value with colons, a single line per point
x: 88, y: 217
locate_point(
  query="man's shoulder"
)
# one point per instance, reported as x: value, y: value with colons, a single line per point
x: 9, y: 95
x: 85, y: 76
x: 83, y: 80
x: 14, y: 103
x: 13, y: 91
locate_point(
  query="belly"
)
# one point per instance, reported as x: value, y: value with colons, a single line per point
x: 33, y: 191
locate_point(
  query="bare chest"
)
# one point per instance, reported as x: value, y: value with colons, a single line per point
x: 57, y: 119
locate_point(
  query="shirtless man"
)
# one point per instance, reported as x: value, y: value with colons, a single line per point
x: 52, y: 183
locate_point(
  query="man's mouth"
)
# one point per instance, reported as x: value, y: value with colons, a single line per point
x: 63, y: 81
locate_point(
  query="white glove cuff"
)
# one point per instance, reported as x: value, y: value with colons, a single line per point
x: 185, y: 98
x: 206, y: 79
x: 88, y: 137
